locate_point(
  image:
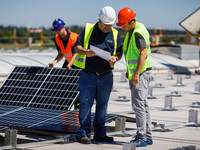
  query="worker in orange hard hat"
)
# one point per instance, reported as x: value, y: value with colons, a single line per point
x: 137, y: 52
x: 125, y: 16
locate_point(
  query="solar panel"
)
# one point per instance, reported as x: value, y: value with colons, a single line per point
x: 43, y: 119
x: 41, y: 87
x: 41, y: 98
x: 192, y: 23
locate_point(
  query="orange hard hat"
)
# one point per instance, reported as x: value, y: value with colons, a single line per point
x: 125, y: 16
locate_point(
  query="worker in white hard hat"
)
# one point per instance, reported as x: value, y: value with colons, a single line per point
x: 96, y: 78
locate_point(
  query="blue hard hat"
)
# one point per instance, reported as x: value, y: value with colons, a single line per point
x: 57, y: 24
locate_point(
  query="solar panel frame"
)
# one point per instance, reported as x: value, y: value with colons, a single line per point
x: 192, y: 23
x: 40, y: 87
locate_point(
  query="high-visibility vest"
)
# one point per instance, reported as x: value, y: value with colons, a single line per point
x: 81, y: 59
x: 132, y: 53
x: 67, y: 52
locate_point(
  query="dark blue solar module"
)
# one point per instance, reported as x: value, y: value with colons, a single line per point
x: 39, y: 118
x: 41, y: 98
x: 44, y: 119
x: 41, y: 87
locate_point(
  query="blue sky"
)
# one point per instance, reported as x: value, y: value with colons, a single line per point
x: 166, y: 14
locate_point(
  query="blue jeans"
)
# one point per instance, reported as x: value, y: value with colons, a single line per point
x: 92, y: 87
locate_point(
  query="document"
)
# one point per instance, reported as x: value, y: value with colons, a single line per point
x: 101, y: 53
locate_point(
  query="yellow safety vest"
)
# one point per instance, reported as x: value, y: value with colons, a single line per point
x: 81, y: 59
x: 132, y: 53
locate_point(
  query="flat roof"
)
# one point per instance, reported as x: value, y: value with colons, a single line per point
x: 42, y: 58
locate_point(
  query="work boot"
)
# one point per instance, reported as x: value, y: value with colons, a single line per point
x: 103, y: 138
x: 149, y: 142
x: 85, y: 140
x: 138, y: 141
x: 197, y: 72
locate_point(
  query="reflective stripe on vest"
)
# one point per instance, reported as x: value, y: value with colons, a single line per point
x: 81, y: 59
x: 67, y: 55
x: 67, y: 52
x: 134, y: 61
x: 132, y: 53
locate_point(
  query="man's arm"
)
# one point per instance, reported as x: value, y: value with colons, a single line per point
x: 143, y: 55
x: 115, y: 58
x: 57, y: 59
x: 119, y: 52
x: 79, y: 49
x: 72, y: 61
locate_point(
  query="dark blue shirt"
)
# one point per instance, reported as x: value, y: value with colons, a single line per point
x: 103, y: 41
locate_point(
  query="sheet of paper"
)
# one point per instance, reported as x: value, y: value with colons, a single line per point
x: 101, y: 53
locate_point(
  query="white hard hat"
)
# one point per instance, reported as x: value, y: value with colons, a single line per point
x: 107, y: 15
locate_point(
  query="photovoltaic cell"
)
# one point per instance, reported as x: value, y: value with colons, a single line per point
x: 43, y: 119
x: 41, y: 98
x: 41, y: 87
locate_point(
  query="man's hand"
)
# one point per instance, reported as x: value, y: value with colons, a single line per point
x: 113, y: 60
x: 69, y: 67
x: 90, y: 53
x: 51, y: 64
x: 135, y: 79
x: 126, y: 75
x: 57, y: 59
